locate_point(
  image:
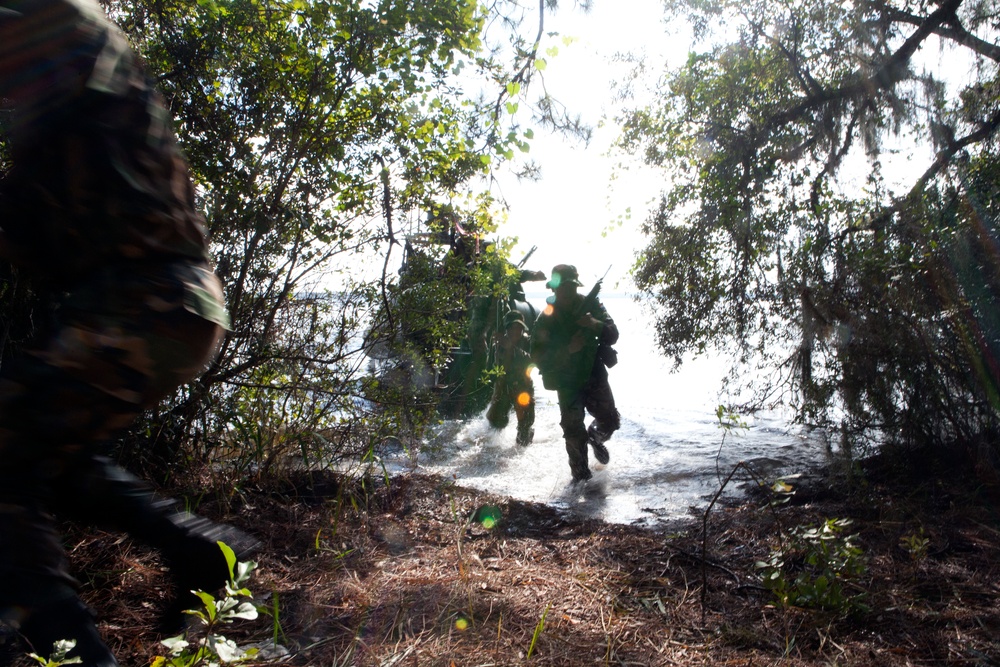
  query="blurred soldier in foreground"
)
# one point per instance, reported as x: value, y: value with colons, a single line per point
x: 571, y: 345
x: 98, y: 211
x: 514, y: 388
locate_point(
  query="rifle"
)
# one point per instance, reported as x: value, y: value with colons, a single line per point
x: 590, y: 300
x: 606, y: 353
x: 524, y: 261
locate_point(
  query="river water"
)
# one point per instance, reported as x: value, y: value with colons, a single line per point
x: 670, y: 455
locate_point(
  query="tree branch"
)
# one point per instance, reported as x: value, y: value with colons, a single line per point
x: 890, y: 73
x: 943, y: 158
x: 953, y: 30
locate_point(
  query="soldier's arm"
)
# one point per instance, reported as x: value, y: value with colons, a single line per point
x: 526, y: 276
x: 609, y: 330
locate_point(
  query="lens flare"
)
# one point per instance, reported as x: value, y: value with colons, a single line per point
x: 548, y: 309
x: 487, y: 516
x: 461, y: 624
x: 523, y: 399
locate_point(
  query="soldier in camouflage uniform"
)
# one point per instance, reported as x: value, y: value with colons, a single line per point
x: 98, y: 211
x: 571, y: 345
x: 513, y: 388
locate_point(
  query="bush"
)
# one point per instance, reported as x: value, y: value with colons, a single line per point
x: 816, y: 568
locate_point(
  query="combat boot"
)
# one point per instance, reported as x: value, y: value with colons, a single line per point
x: 102, y: 492
x: 67, y: 619
x: 596, y: 437
x: 576, y: 448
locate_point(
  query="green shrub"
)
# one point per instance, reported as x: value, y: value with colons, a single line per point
x: 816, y: 569
x: 203, y: 646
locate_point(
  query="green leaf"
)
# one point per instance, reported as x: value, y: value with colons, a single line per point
x: 245, y: 611
x: 230, y: 557
x: 208, y: 601
x: 226, y: 649
x: 175, y: 644
x: 244, y: 570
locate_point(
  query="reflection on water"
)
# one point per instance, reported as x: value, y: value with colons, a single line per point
x: 669, y: 455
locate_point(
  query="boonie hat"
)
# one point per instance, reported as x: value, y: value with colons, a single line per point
x: 563, y: 273
x: 513, y: 317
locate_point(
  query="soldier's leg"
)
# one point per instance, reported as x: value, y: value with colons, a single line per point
x: 524, y: 408
x: 37, y: 595
x: 600, y: 403
x: 498, y: 414
x: 73, y: 390
x: 574, y: 432
x: 145, y: 354
x: 37, y: 442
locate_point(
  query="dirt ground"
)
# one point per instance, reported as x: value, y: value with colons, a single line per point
x: 410, y: 574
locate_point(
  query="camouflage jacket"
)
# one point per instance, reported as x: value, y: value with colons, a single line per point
x: 550, y: 341
x: 97, y: 179
x: 516, y: 364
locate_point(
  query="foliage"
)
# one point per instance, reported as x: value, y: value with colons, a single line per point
x: 915, y: 544
x: 58, y: 657
x: 318, y: 131
x: 538, y: 631
x: 831, y: 208
x: 211, y: 648
x: 456, y: 290
x: 815, y: 568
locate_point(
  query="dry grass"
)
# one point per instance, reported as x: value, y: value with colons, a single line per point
x: 402, y: 576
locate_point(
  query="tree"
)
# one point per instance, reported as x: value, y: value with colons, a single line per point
x: 831, y: 208
x: 315, y: 129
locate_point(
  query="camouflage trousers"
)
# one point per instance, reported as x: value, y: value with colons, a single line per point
x: 117, y: 345
x: 520, y: 397
x: 596, y: 398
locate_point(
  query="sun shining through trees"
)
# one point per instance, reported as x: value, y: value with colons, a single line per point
x: 760, y: 247
x: 316, y: 130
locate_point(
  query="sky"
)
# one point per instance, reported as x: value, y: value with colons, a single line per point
x: 569, y: 213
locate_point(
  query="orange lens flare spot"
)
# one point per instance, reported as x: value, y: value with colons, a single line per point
x: 523, y: 399
x: 549, y: 309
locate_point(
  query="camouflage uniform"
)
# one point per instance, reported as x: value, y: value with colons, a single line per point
x: 513, y: 388
x: 580, y: 378
x: 98, y: 210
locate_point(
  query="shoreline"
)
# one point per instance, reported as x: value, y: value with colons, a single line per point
x: 368, y: 575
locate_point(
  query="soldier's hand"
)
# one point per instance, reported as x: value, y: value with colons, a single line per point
x: 575, y: 343
x: 588, y: 321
